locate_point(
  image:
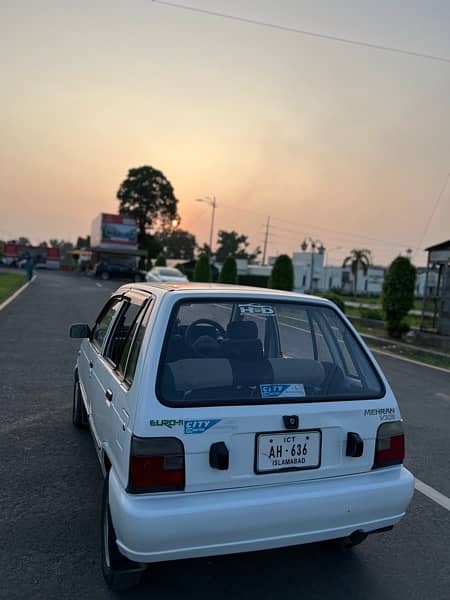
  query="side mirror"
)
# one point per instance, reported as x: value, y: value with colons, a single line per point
x: 80, y: 330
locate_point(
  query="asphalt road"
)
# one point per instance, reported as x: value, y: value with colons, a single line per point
x: 51, y: 484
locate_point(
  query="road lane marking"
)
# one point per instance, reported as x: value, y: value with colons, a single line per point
x: 433, y: 494
x: 98, y: 285
x: 409, y: 360
x: 16, y: 293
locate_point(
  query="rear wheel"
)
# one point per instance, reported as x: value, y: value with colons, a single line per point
x: 79, y: 415
x: 119, y: 572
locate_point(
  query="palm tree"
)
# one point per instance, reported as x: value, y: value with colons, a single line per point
x: 358, y: 258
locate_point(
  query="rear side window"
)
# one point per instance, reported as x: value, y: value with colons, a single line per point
x: 251, y: 352
x: 130, y: 354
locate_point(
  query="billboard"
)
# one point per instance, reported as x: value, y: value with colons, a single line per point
x: 114, y: 231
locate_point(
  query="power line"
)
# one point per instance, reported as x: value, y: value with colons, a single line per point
x: 312, y: 34
x: 430, y: 218
x: 303, y: 226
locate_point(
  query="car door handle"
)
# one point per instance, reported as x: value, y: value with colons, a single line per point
x: 109, y: 395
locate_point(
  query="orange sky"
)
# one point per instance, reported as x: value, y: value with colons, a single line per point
x: 345, y: 144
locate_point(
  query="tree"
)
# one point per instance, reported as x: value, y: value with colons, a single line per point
x: 398, y: 295
x: 151, y: 244
x: 23, y: 241
x: 205, y: 249
x: 358, y: 258
x: 228, y: 274
x: 43, y: 244
x: 178, y: 244
x: 54, y: 243
x: 160, y: 261
x: 202, y: 270
x: 83, y: 242
x: 231, y: 243
x: 147, y: 195
x: 282, y: 276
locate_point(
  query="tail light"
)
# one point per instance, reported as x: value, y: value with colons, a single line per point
x: 156, y: 465
x: 390, y: 445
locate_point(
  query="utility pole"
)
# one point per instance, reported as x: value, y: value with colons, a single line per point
x: 213, y: 204
x: 266, y: 239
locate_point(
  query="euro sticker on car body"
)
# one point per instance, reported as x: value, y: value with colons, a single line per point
x: 199, y: 426
x: 282, y: 390
x: 256, y: 309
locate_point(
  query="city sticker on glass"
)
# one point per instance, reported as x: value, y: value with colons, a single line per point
x: 282, y: 390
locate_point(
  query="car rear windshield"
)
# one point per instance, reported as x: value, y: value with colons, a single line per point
x: 258, y: 352
x: 170, y: 273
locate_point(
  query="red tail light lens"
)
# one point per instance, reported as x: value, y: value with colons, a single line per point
x: 390, y: 445
x: 156, y: 465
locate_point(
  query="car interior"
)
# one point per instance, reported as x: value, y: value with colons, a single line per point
x: 203, y: 360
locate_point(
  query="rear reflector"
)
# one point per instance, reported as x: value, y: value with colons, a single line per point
x: 390, y: 445
x: 156, y: 465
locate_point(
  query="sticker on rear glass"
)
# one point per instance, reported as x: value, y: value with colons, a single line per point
x: 256, y: 309
x: 282, y: 390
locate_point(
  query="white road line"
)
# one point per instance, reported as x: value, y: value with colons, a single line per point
x: 409, y: 360
x: 19, y: 291
x: 433, y: 494
x: 98, y: 285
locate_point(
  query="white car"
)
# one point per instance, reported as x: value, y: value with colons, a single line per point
x: 165, y: 275
x: 229, y: 419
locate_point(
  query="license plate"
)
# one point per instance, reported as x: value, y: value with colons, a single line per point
x: 287, y: 451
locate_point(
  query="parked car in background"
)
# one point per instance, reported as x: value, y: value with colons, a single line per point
x: 166, y: 275
x: 108, y: 270
x: 230, y: 419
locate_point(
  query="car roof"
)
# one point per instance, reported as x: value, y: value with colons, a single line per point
x: 191, y: 289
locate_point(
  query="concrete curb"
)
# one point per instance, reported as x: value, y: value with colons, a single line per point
x: 5, y: 303
x: 409, y: 360
x: 406, y: 346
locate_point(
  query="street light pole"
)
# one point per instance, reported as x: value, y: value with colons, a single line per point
x: 213, y: 204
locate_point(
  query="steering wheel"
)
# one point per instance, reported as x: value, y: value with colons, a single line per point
x: 189, y: 334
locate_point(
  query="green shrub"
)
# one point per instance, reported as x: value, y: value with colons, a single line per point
x: 282, y: 276
x: 228, y: 273
x: 333, y: 297
x: 398, y: 295
x: 202, y: 270
x: 371, y: 313
x: 148, y: 264
x: 160, y: 261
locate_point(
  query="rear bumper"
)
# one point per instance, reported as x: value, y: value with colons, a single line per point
x: 152, y: 528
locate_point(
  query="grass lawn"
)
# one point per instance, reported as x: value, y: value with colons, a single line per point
x: 9, y: 283
x: 418, y: 302
x: 389, y: 345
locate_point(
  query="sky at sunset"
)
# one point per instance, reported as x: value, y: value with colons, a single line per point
x: 345, y: 144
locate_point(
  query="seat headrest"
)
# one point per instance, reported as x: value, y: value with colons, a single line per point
x: 243, y: 350
x: 242, y: 330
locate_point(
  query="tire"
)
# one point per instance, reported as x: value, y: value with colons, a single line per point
x: 105, y: 275
x: 119, y: 572
x: 79, y: 415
